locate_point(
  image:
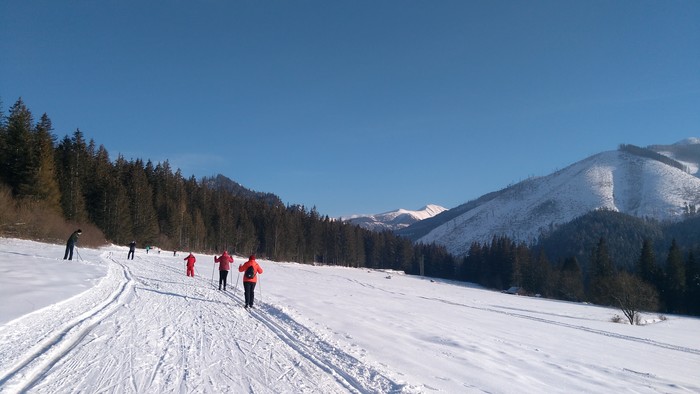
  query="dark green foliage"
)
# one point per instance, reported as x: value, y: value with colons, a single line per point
x: 72, y: 164
x: 623, y: 235
x: 686, y: 233
x: 646, y: 265
x: 568, y: 283
x: 675, y: 283
x: 17, y: 165
x: 692, y: 280
x: 602, y: 275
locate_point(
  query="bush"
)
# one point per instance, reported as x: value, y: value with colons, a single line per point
x: 35, y: 220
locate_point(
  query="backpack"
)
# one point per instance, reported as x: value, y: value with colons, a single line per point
x: 250, y: 272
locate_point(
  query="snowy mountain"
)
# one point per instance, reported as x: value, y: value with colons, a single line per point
x: 394, y: 220
x: 658, y: 182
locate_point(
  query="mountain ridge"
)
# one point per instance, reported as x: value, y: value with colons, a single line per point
x: 394, y: 220
x: 626, y: 180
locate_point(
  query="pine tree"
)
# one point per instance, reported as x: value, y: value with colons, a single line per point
x: 601, y: 275
x: 143, y: 215
x: 72, y: 168
x: 646, y: 265
x: 692, y: 280
x: 17, y: 166
x: 46, y: 184
x: 675, y: 279
x: 570, y: 285
x: 3, y: 144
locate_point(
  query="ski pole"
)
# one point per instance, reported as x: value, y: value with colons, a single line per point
x: 78, y: 253
x: 236, y: 287
x: 212, y: 272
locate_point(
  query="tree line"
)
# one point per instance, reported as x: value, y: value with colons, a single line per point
x: 603, y: 257
x: 672, y: 287
x: 127, y: 200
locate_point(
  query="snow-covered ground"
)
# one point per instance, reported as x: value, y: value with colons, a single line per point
x: 104, y: 324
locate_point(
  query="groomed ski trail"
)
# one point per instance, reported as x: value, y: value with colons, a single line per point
x: 146, y: 327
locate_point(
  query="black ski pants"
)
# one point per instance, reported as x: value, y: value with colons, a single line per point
x: 69, y: 251
x: 222, y: 278
x: 249, y: 288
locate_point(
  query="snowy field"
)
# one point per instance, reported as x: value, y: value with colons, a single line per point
x: 104, y: 324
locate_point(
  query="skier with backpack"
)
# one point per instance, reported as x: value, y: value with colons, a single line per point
x: 250, y: 278
x: 224, y: 261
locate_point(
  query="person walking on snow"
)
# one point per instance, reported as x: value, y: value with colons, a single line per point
x: 132, y: 248
x: 224, y: 266
x: 250, y: 278
x: 190, y: 264
x: 72, y: 240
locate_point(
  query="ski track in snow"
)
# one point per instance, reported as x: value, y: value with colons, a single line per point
x: 148, y: 328
x: 529, y: 314
x: 511, y: 313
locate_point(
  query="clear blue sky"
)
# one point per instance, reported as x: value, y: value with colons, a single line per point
x: 358, y: 106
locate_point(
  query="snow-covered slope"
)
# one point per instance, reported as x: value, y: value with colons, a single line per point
x: 394, y: 220
x: 142, y: 326
x: 614, y: 180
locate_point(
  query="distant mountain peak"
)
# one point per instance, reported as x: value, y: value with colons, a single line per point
x: 689, y: 141
x: 394, y: 220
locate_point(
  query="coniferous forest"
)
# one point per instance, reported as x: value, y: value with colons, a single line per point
x: 49, y: 187
x: 56, y: 185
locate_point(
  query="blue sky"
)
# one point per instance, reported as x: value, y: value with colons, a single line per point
x: 358, y: 106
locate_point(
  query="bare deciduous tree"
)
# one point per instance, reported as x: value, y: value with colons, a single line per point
x: 633, y: 295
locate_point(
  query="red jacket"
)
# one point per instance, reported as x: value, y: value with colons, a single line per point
x: 225, y: 261
x: 190, y: 260
x: 256, y: 267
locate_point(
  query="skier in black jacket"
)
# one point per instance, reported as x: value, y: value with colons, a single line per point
x: 132, y: 248
x: 72, y: 240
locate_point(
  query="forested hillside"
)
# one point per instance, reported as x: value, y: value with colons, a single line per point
x: 47, y: 187
x: 54, y: 185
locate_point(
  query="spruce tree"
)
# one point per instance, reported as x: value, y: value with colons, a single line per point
x: 72, y: 165
x: 601, y: 275
x: 692, y: 280
x: 675, y: 279
x: 570, y: 281
x: 45, y: 178
x: 3, y: 143
x: 17, y: 166
x: 646, y: 265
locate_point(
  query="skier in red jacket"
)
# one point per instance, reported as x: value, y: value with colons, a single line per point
x: 224, y: 266
x: 250, y: 278
x: 190, y: 264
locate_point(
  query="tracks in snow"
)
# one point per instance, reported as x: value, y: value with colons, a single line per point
x: 85, y: 342
x: 352, y: 374
x: 59, y: 339
x: 512, y: 313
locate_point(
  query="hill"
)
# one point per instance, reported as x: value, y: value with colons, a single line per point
x: 222, y: 182
x: 641, y: 183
